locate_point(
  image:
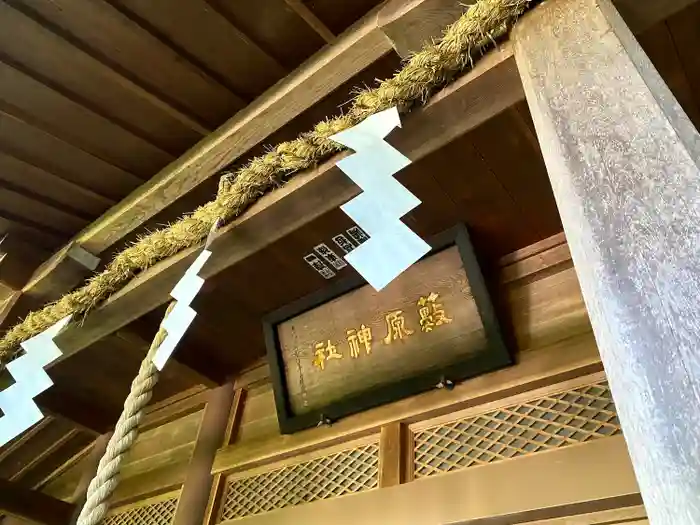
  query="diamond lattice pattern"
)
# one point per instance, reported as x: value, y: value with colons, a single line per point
x: 159, y: 513
x: 353, y: 470
x: 550, y: 422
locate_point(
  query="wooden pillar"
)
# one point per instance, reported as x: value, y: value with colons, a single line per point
x: 392, y: 454
x: 623, y: 159
x: 216, y: 492
x: 192, y: 505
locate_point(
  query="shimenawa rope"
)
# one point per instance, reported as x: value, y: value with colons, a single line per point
x: 427, y: 70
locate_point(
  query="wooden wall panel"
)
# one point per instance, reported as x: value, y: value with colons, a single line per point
x: 569, y: 476
x: 686, y: 38
x: 259, y: 421
x: 158, y: 460
x: 659, y: 42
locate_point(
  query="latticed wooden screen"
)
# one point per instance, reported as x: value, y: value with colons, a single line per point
x: 346, y: 472
x: 553, y: 421
x: 156, y: 513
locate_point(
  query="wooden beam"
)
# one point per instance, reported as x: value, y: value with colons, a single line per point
x: 33, y: 505
x: 135, y: 343
x: 490, y: 88
x: 312, y: 20
x: 85, y: 414
x: 218, y: 484
x: 60, y: 273
x: 624, y: 162
x: 192, y: 505
x: 410, y: 25
x: 327, y: 70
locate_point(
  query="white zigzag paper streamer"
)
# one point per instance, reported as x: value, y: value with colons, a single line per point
x: 392, y: 246
x: 17, y: 400
x: 181, y: 316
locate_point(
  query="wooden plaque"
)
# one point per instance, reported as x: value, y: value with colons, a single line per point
x: 348, y: 347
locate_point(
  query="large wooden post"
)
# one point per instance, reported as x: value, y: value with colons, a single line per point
x: 623, y: 161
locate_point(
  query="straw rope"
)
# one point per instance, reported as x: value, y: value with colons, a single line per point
x: 427, y: 70
x: 125, y: 433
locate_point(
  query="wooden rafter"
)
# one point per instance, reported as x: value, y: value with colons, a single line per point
x: 312, y: 20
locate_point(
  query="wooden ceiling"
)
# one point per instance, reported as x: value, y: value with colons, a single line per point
x: 93, y: 105
x: 97, y: 95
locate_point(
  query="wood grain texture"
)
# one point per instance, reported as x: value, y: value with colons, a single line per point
x: 319, y: 76
x: 410, y: 25
x: 567, y: 359
x: 392, y: 454
x: 488, y: 89
x: 20, y: 174
x: 159, y: 460
x: 284, y: 35
x: 33, y: 505
x: 200, y: 33
x: 192, y: 504
x: 109, y: 36
x: 20, y: 138
x: 90, y: 131
x: 502, y: 490
x: 218, y: 482
x: 34, y: 48
x: 404, y: 355
x: 623, y: 161
x: 310, y: 18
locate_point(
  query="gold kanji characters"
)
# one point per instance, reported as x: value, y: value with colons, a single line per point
x: 432, y: 314
x: 396, y: 327
x: 363, y: 336
x: 325, y: 352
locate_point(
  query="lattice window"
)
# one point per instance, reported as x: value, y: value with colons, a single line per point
x: 553, y: 421
x: 349, y: 471
x: 157, y: 513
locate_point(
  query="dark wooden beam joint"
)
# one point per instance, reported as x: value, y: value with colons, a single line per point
x: 34, y: 506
